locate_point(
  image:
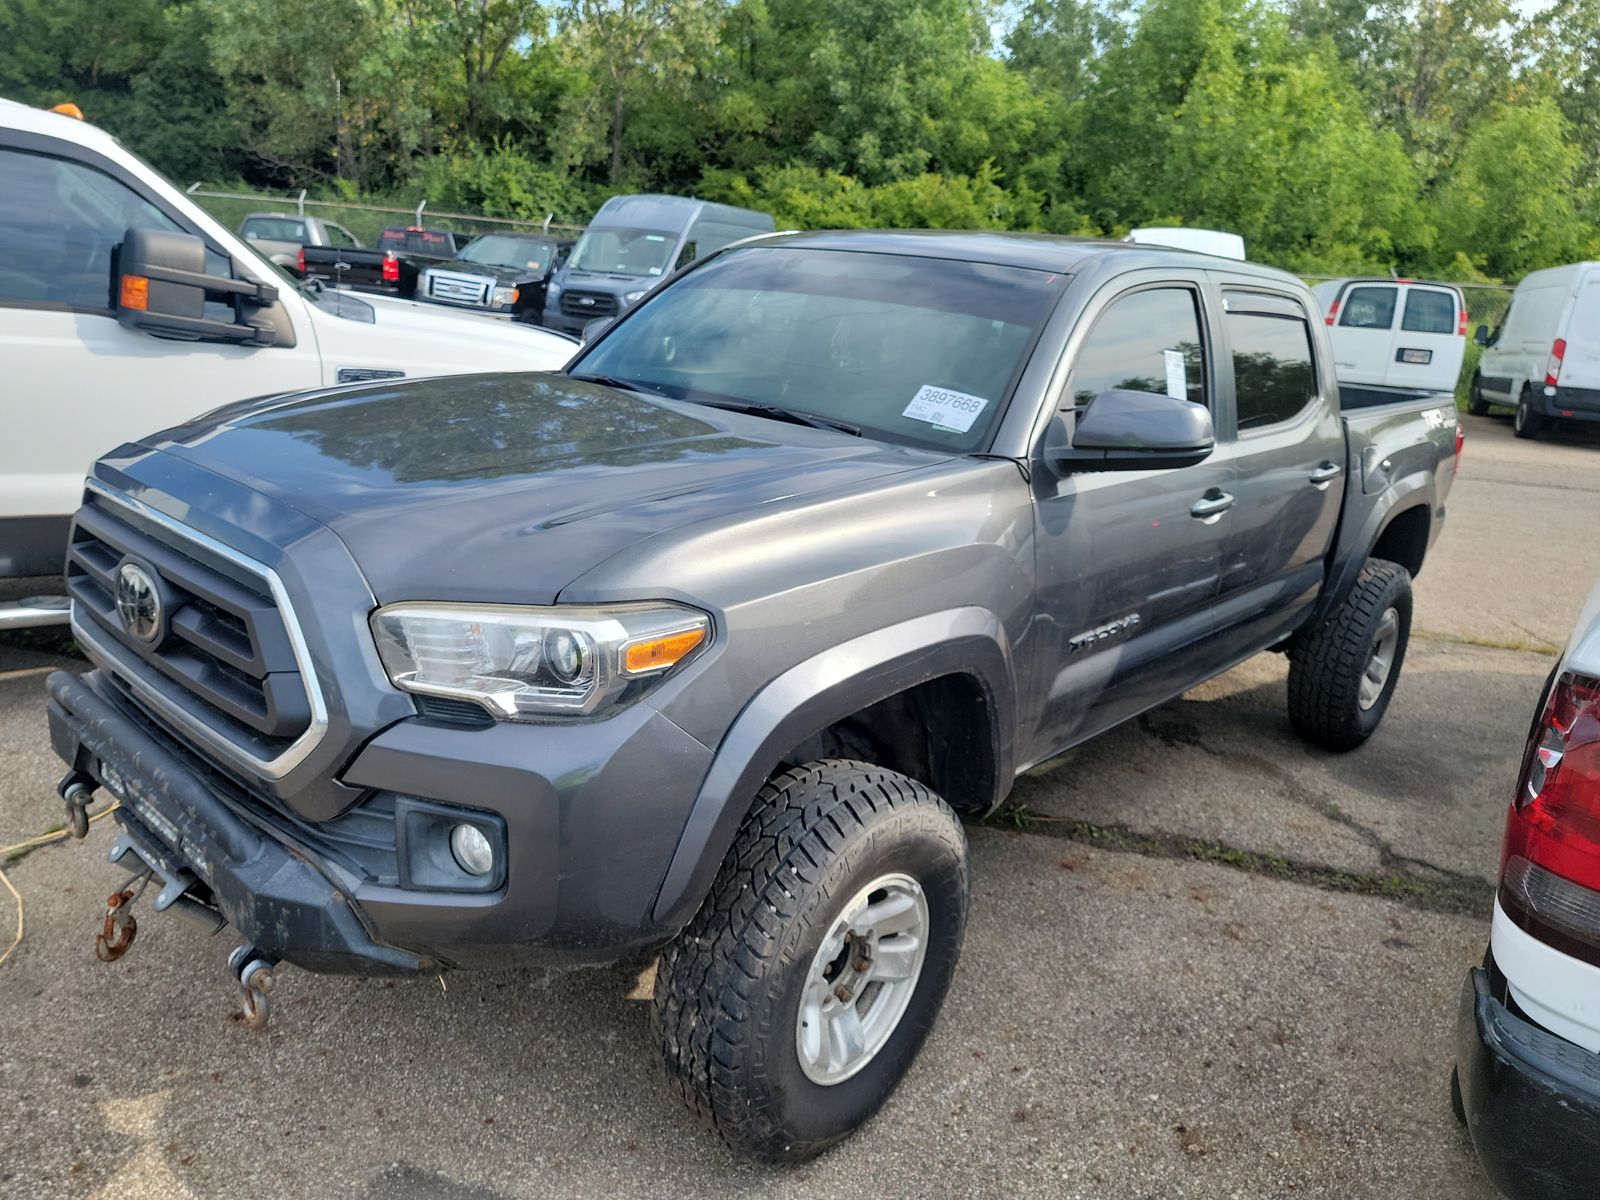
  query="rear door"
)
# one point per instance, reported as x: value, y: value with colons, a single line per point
x: 1363, y: 332
x: 1430, y: 339
x: 1580, y: 364
x: 1289, y: 459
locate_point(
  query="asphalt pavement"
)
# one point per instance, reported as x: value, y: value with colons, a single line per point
x: 1204, y: 960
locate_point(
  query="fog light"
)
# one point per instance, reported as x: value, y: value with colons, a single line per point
x: 472, y: 850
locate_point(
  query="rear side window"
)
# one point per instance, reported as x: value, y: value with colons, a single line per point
x: 1368, y: 308
x: 341, y: 237
x: 1143, y: 342
x: 59, y: 221
x: 1274, y: 373
x: 1428, y: 311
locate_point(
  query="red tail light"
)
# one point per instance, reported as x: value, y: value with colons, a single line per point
x: 1550, y: 864
x: 300, y: 260
x: 391, y: 267
x: 1461, y: 324
x: 1552, y: 366
x: 1333, y: 312
x: 1461, y: 438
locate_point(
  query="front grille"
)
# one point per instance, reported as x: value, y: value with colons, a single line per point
x: 459, y: 289
x: 588, y: 304
x: 221, y: 656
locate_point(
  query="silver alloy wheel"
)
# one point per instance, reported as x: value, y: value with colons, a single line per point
x: 1382, y: 660
x: 862, y: 978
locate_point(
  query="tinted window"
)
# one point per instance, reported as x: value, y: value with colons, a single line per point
x: 919, y: 350
x: 686, y: 256
x: 504, y: 250
x: 1428, y: 311
x: 1368, y: 308
x: 1274, y: 376
x: 421, y: 241
x: 341, y: 237
x: 59, y: 221
x: 1145, y: 342
x: 274, y: 229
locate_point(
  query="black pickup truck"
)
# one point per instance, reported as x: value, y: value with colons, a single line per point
x: 709, y: 642
x: 389, y: 269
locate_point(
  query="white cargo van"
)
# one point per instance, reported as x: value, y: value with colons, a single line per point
x: 1544, y: 359
x: 126, y: 309
x: 1395, y: 332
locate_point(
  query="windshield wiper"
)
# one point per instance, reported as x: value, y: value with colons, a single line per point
x: 793, y: 416
x: 626, y: 385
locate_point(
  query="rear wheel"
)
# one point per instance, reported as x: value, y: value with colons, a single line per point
x: 1342, y: 674
x: 1476, y: 404
x: 1528, y: 421
x: 791, y: 1006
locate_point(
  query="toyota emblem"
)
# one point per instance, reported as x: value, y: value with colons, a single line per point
x: 138, y: 602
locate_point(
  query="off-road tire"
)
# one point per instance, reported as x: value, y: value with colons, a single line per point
x: 1476, y: 404
x: 1327, y: 664
x: 1528, y: 421
x: 728, y: 988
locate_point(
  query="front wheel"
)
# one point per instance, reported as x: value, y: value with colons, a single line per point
x: 791, y: 1006
x: 1476, y: 404
x: 1527, y: 421
x: 1342, y: 674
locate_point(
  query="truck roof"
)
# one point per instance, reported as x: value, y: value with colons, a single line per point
x: 38, y: 120
x: 1037, y: 251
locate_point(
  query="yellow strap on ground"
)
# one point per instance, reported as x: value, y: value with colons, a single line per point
x: 44, y: 839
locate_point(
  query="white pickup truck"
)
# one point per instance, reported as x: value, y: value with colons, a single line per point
x: 97, y: 350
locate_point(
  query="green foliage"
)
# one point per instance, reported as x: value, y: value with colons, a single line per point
x: 1453, y: 137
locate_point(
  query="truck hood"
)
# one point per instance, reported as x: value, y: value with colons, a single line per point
x: 505, y: 488
x: 429, y: 339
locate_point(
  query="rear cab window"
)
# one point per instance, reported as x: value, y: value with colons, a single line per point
x: 1274, y: 364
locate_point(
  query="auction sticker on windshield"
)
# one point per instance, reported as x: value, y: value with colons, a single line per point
x: 940, y: 407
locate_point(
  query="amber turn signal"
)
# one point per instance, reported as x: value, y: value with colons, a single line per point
x: 661, y: 652
x: 135, y: 293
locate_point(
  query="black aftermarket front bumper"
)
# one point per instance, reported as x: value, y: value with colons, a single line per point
x: 275, y: 898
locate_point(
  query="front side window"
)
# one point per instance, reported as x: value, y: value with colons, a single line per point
x: 1147, y: 341
x: 59, y: 222
x: 1429, y: 311
x: 1368, y: 308
x: 1274, y: 374
x: 918, y: 350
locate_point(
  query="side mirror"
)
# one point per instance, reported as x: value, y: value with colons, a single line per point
x: 1481, y: 336
x: 1123, y: 430
x: 596, y: 327
x: 161, y: 287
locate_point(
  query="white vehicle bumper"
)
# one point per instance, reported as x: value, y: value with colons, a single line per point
x: 1557, y: 991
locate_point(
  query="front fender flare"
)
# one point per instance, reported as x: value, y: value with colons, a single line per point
x: 816, y: 693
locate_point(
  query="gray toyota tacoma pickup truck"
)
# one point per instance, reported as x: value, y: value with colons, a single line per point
x: 710, y: 643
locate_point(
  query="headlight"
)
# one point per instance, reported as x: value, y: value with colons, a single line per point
x: 633, y: 297
x: 530, y: 664
x: 505, y: 297
x: 553, y: 290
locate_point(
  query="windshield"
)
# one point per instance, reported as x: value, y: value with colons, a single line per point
x: 500, y: 250
x: 918, y: 350
x: 614, y: 250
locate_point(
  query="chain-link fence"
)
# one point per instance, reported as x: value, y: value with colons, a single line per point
x: 1486, y: 305
x: 365, y: 221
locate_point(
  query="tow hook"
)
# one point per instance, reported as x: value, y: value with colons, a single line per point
x: 253, y: 970
x: 76, y: 789
x: 112, y: 942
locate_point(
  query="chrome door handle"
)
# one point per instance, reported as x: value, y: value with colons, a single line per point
x: 1211, y: 506
x: 1326, y: 473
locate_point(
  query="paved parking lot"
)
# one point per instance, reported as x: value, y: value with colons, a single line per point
x: 1204, y: 961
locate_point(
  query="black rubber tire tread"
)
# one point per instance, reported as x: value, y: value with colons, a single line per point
x: 1326, y: 664
x: 1476, y: 404
x: 712, y: 975
x: 1531, y: 422
x: 1457, y: 1105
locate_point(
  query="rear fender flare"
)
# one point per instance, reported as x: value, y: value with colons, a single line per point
x: 1401, y: 496
x: 816, y: 693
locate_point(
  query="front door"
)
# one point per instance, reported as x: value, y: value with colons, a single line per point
x: 1128, y: 562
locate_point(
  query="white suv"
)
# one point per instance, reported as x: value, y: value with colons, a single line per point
x: 1527, y: 1078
